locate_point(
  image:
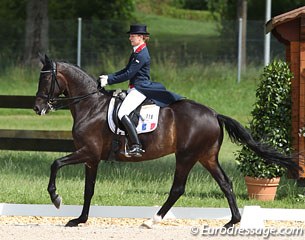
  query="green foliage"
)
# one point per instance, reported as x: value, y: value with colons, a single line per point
x: 218, y: 6
x: 101, y: 9
x: 195, y: 4
x: 271, y: 122
x: 12, y: 9
x: 100, y: 33
x: 71, y: 9
x: 256, y: 9
x: 199, y: 15
x: 175, y: 9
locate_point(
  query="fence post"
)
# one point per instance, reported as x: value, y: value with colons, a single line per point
x: 240, y: 32
x: 267, y: 36
x: 79, y: 38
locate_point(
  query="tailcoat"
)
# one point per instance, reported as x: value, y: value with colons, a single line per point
x: 137, y: 72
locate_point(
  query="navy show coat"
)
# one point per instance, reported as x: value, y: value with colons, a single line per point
x: 137, y: 72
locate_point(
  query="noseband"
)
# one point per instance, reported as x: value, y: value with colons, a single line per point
x: 53, y: 102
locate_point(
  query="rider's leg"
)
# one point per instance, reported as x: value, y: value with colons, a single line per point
x: 131, y: 102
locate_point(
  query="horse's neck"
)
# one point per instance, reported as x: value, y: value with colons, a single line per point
x: 80, y: 84
x: 77, y: 82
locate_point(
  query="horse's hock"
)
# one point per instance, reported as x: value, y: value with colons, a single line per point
x: 289, y: 29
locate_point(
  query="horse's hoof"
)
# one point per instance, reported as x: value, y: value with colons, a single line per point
x: 72, y: 223
x: 57, y: 202
x: 229, y: 224
x: 147, y: 224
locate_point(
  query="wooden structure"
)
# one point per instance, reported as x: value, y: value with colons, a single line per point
x: 289, y: 29
x: 32, y: 140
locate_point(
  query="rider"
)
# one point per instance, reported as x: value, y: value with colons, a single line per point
x: 137, y: 72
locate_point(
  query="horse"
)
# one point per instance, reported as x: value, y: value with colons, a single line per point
x: 189, y: 130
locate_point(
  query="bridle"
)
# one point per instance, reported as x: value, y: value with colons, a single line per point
x: 55, y: 103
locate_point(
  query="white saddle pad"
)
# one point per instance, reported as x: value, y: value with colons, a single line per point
x: 148, y: 121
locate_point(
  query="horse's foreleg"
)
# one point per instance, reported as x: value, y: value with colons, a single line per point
x: 55, y: 198
x: 91, y: 173
x: 177, y: 190
x: 73, y: 158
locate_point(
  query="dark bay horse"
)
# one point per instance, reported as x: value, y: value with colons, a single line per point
x: 193, y: 132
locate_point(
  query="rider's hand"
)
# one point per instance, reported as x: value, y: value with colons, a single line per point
x: 103, y: 80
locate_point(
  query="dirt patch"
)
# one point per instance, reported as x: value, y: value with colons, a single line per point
x: 45, y: 228
x: 132, y: 222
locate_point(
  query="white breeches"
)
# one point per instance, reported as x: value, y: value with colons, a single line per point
x: 133, y: 99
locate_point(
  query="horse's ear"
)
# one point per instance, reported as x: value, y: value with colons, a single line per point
x: 42, y: 58
x: 47, y: 60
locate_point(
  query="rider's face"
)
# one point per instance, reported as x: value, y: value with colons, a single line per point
x: 135, y: 39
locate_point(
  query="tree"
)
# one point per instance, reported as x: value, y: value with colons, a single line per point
x: 256, y: 9
x: 36, y: 36
x: 38, y: 13
x: 99, y: 9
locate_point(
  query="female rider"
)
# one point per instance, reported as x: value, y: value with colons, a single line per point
x: 140, y: 87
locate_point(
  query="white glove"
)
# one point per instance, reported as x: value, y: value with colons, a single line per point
x: 103, y: 80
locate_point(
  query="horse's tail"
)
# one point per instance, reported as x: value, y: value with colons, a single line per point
x: 238, y: 134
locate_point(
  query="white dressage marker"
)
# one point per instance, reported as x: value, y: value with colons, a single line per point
x: 252, y: 218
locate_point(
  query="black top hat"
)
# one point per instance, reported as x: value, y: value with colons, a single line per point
x: 138, y: 29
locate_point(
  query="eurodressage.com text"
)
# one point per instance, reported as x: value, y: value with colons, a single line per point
x: 205, y: 230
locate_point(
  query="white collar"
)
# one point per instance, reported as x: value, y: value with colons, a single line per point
x: 136, y: 47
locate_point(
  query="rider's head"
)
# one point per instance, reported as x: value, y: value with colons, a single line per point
x: 138, y: 34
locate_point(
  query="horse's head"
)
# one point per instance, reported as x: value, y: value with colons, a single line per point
x: 49, y: 86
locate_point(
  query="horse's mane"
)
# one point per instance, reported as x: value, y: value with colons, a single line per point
x: 78, y: 69
x: 83, y: 74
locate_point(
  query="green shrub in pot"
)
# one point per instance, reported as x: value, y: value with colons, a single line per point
x: 271, y: 121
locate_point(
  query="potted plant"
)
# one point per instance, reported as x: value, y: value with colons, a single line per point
x: 271, y: 124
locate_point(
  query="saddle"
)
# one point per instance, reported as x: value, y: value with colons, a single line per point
x: 145, y: 116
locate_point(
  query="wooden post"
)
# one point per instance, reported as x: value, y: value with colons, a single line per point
x: 289, y: 28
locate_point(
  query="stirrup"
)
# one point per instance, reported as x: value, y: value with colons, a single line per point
x: 136, y: 150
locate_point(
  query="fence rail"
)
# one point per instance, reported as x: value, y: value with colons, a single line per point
x: 32, y: 140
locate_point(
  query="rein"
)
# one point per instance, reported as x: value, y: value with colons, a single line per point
x: 51, y: 100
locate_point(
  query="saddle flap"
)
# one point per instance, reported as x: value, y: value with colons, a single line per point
x: 147, y: 118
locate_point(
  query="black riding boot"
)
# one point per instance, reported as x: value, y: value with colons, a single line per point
x: 136, y: 148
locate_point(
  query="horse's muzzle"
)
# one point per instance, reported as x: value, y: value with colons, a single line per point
x: 40, y: 107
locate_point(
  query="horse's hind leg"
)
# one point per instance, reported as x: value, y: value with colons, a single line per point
x: 183, y: 167
x: 225, y: 185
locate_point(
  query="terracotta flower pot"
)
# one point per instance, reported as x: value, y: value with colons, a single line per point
x: 263, y: 189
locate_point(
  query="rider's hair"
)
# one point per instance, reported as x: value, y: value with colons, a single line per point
x: 146, y: 38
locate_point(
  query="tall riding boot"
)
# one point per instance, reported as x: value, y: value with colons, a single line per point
x: 136, y: 148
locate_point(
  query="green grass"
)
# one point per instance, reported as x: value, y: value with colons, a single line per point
x: 24, y: 178
x: 167, y: 26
